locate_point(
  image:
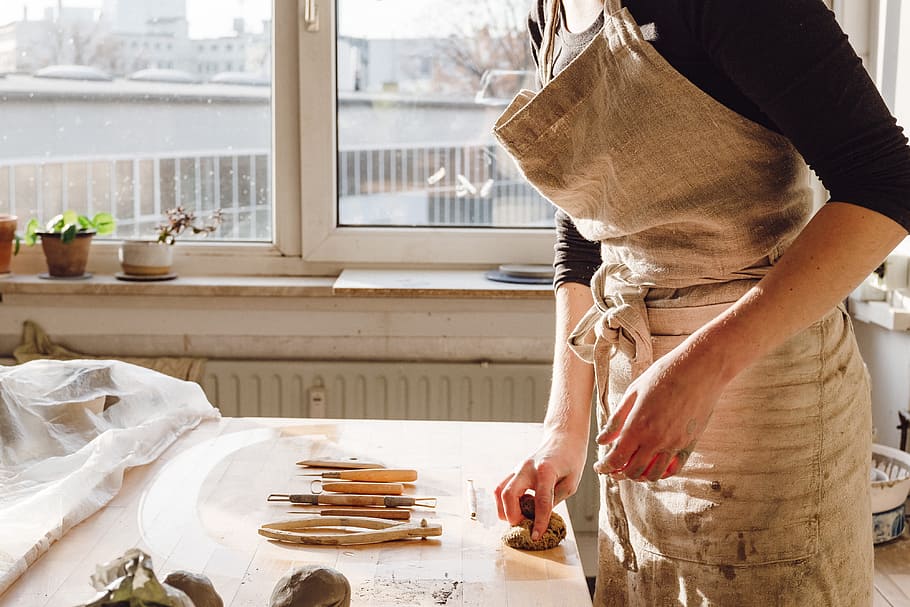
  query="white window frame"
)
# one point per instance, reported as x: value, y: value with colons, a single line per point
x: 323, y: 241
x: 283, y: 255
x: 306, y: 237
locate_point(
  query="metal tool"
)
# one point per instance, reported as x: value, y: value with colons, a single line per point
x: 386, y: 513
x: 347, y: 463
x: 472, y: 499
x: 319, y: 486
x: 381, y: 475
x: 379, y: 530
x: 342, y: 499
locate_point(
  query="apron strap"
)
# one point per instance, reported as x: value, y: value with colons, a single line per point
x: 548, y: 39
x: 618, y: 320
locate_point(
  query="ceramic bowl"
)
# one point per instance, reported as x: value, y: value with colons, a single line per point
x: 892, y: 491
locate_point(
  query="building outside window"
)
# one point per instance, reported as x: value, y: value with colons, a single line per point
x: 139, y: 142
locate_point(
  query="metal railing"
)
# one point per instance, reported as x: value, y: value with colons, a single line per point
x: 452, y: 184
x: 446, y: 185
x: 138, y: 189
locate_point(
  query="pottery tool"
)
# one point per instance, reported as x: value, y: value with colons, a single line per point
x: 381, y: 475
x: 472, y: 500
x: 341, y: 499
x: 377, y: 530
x: 397, y: 514
x: 319, y: 486
x: 346, y: 463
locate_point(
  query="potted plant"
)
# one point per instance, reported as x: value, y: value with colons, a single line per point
x: 7, y: 238
x: 152, y: 259
x: 65, y: 240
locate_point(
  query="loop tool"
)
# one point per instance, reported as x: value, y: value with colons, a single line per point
x: 319, y: 486
x: 376, y: 530
x: 341, y: 499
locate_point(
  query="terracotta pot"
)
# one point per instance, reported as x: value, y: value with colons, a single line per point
x: 7, y: 236
x: 146, y: 258
x: 66, y: 260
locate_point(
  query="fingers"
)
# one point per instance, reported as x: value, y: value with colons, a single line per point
x: 678, y: 461
x: 498, y: 492
x: 643, y: 465
x: 658, y: 466
x: 638, y: 465
x: 616, y: 460
x: 543, y: 499
x: 513, y: 488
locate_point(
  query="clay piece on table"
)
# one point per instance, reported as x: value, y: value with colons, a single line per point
x: 196, y: 586
x: 519, y: 536
x: 312, y: 586
x: 177, y: 597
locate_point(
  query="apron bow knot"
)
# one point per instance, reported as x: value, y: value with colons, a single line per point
x: 618, y: 321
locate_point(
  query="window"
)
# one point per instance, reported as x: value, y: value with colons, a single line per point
x: 408, y: 106
x: 97, y: 153
x: 892, y: 58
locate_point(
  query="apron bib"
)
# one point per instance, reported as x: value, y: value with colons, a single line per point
x: 692, y: 203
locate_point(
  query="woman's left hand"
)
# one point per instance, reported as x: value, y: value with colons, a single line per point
x: 662, y: 414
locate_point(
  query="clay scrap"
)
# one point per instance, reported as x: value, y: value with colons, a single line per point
x: 312, y: 586
x: 519, y: 536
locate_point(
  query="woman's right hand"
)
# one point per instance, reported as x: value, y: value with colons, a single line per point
x: 553, y: 472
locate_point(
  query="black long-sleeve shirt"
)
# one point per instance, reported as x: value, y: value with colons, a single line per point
x: 785, y: 64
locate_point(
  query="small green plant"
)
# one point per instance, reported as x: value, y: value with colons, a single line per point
x: 179, y: 219
x: 68, y: 224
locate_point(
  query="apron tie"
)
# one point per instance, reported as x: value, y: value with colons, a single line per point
x: 618, y: 321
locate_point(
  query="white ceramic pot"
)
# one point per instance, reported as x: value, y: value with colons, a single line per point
x: 892, y: 492
x: 146, y: 258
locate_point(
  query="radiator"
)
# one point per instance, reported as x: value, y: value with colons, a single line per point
x: 383, y: 390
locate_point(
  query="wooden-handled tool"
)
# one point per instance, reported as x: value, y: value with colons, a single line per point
x: 377, y: 475
x: 362, y: 488
x: 377, y: 530
x: 396, y: 514
x: 341, y: 499
x: 344, y: 463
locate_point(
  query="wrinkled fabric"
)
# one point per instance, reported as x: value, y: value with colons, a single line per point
x: 37, y: 345
x: 68, y: 431
x: 692, y: 205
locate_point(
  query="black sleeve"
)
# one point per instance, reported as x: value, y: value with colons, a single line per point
x: 576, y: 258
x: 793, y: 60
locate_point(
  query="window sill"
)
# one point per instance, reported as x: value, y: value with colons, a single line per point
x: 192, y: 286
x: 433, y: 316
x: 455, y: 284
x: 433, y: 283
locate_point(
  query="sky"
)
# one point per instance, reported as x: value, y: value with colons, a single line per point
x: 208, y: 18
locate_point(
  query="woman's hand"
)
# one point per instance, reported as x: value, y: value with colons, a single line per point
x: 662, y: 414
x: 553, y: 472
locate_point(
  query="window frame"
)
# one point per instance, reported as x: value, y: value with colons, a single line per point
x: 306, y: 238
x: 323, y: 241
x: 281, y: 256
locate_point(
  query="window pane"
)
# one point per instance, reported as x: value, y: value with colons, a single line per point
x: 420, y: 84
x: 136, y: 106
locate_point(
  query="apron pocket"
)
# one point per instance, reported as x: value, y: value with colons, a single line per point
x: 750, y: 493
x: 707, y: 535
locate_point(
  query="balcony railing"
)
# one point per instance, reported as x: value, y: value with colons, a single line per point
x: 446, y: 185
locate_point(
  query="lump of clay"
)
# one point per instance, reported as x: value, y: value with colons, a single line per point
x: 312, y: 586
x: 198, y: 587
x: 519, y: 536
x: 178, y: 598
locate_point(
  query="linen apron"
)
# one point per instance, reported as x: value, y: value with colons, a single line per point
x: 692, y: 203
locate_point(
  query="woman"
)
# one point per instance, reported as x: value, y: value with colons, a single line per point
x: 734, y: 408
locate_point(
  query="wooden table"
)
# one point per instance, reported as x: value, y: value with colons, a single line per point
x: 198, y: 507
